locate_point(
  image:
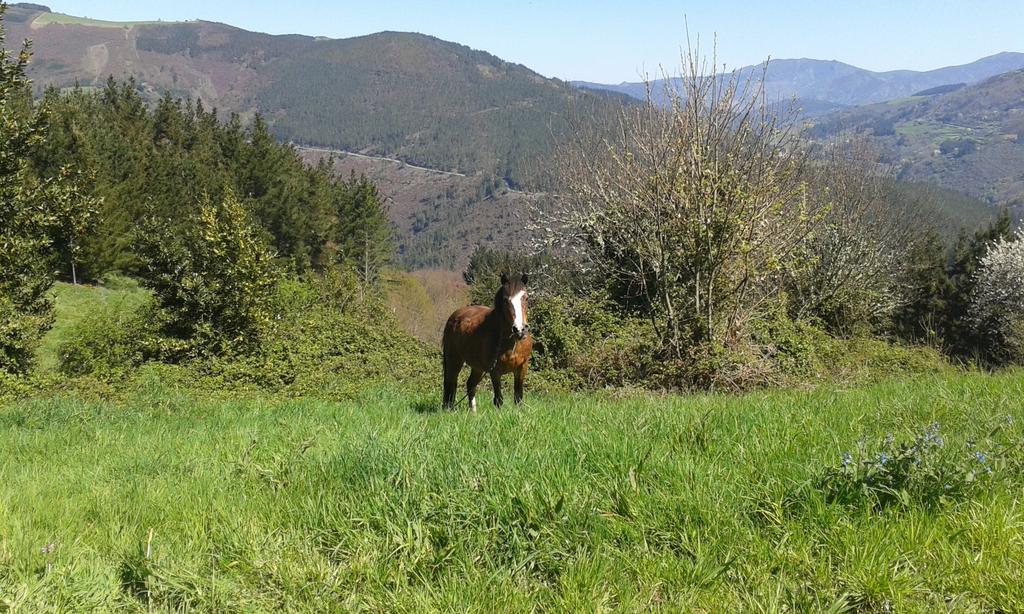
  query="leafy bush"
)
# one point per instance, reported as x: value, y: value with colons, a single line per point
x: 328, y: 337
x: 326, y: 344
x: 921, y: 471
x: 107, y: 341
x: 212, y: 285
x: 591, y: 342
x: 998, y: 305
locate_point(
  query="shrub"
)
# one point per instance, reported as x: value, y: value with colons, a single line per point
x: 107, y: 341
x: 997, y: 308
x: 213, y: 285
x: 329, y: 337
x: 591, y: 342
x: 690, y: 209
x: 318, y: 347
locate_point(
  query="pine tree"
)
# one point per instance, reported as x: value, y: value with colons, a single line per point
x: 927, y: 291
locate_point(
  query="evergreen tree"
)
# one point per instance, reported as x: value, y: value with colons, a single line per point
x: 212, y: 282
x: 39, y: 214
x: 927, y: 292
x: 163, y: 162
x: 363, y: 237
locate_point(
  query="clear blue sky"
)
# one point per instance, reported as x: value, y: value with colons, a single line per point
x: 614, y: 41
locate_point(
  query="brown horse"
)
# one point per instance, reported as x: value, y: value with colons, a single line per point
x: 493, y: 340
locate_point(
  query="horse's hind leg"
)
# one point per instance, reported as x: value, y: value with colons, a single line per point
x: 451, y: 367
x: 496, y: 384
x: 474, y: 380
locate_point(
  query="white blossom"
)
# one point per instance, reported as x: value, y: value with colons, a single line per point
x: 998, y: 304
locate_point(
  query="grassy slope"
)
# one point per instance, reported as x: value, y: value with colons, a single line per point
x: 61, y: 18
x: 72, y: 303
x: 568, y: 503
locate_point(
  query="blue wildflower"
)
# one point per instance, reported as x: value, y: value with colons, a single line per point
x: 847, y: 459
x: 980, y: 457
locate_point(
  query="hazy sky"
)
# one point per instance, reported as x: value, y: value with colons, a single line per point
x: 616, y: 41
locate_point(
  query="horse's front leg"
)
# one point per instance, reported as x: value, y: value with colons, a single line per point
x: 474, y: 380
x: 496, y: 384
x: 520, y: 380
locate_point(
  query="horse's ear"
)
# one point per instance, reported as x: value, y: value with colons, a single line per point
x: 504, y: 278
x: 525, y: 278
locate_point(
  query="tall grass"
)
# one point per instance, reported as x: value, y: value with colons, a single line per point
x: 166, y: 500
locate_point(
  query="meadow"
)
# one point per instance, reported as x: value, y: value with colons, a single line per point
x: 162, y: 499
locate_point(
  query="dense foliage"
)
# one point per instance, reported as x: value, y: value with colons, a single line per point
x: 42, y: 216
x: 941, y: 289
x: 212, y: 283
x: 164, y: 162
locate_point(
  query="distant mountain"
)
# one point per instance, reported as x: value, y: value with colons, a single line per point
x: 404, y: 95
x: 836, y: 83
x: 970, y: 139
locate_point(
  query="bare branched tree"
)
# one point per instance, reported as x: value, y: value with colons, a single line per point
x: 854, y: 258
x: 692, y: 210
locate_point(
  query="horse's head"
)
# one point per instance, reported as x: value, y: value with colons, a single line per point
x: 510, y: 301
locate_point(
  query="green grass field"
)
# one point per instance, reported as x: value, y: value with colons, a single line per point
x: 161, y: 500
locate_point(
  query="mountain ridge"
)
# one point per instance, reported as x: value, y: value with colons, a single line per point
x: 406, y: 95
x: 400, y: 99
x: 840, y: 83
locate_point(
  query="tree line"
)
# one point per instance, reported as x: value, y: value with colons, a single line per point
x: 205, y: 210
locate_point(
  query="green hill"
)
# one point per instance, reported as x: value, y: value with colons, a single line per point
x: 970, y: 140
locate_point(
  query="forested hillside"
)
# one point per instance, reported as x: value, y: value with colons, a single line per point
x: 411, y: 96
x: 407, y: 96
x: 970, y: 139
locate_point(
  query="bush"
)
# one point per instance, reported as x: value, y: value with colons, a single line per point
x: 326, y: 344
x: 213, y: 285
x: 106, y: 342
x: 590, y: 342
x: 997, y: 309
x: 329, y: 337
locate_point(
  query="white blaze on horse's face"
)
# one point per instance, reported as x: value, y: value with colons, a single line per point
x: 519, y: 313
